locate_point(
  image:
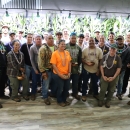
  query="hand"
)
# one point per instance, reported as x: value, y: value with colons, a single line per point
x: 22, y: 69
x: 111, y: 79
x: 90, y: 63
x: 69, y: 75
x: 63, y: 76
x: 98, y: 72
x: 36, y: 72
x: 105, y: 78
x: 45, y: 76
x: 73, y: 64
x: 128, y: 65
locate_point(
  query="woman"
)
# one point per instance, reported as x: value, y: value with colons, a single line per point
x: 61, y: 62
x: 16, y: 71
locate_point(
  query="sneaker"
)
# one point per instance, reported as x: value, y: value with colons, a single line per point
x: 96, y: 97
x: 16, y: 99
x: 119, y: 96
x: 107, y: 105
x: 33, y: 97
x: 67, y: 103
x: 62, y: 104
x: 128, y: 103
x: 1, y: 106
x: 84, y: 98
x: 76, y: 96
x: 100, y: 103
x: 47, y: 101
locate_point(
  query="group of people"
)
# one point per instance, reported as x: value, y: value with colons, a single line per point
x: 54, y: 63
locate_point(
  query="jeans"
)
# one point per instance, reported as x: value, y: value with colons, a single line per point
x: 28, y: 72
x: 46, y: 83
x: 63, y: 86
x: 35, y: 79
x: 94, y: 79
x: 120, y: 82
x: 75, y: 80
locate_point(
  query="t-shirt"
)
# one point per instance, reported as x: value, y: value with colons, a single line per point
x: 57, y: 60
x: 52, y: 48
x: 92, y: 55
x: 104, y: 49
x: 117, y: 64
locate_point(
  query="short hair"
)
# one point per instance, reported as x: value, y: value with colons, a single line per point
x: 29, y: 34
x: 38, y: 36
x: 59, y: 33
x: 61, y: 41
x: 111, y: 33
x: 13, y: 42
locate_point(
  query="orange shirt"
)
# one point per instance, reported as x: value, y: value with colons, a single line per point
x: 57, y: 59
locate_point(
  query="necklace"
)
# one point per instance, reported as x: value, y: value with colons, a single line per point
x: 105, y: 62
x: 63, y: 59
x: 119, y: 51
x: 19, y: 62
x: 2, y: 49
x: 92, y: 54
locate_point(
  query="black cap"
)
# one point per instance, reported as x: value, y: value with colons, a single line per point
x: 81, y: 35
x: 12, y: 33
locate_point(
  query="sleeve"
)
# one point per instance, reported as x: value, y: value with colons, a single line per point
x: 32, y: 58
x: 100, y: 54
x: 69, y: 57
x: 119, y: 63
x: 53, y: 58
x: 80, y: 56
x: 41, y: 59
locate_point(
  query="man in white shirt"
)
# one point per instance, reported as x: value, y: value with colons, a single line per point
x: 20, y: 37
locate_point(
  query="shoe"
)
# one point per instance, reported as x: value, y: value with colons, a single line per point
x: 47, y: 101
x: 1, y: 106
x: 100, y: 103
x: 33, y: 97
x: 16, y: 99
x: 67, y: 103
x: 26, y: 98
x: 84, y: 98
x: 76, y: 96
x: 119, y: 96
x: 5, y: 97
x: 96, y: 96
x: 128, y: 103
x: 107, y: 104
x: 62, y: 104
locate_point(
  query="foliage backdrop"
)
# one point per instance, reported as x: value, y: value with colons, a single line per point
x: 56, y: 22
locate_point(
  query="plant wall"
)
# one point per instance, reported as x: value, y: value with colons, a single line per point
x: 55, y: 22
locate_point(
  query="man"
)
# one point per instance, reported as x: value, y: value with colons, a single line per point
x: 25, y: 49
x: 5, y: 34
x: 86, y: 35
x: 45, y: 67
x: 124, y: 52
x: 3, y: 66
x: 82, y: 46
x: 97, y: 33
x: 102, y: 46
x: 110, y: 67
x: 91, y: 57
x: 9, y: 45
x: 76, y: 53
x: 66, y: 35
x: 111, y: 39
x: 35, y: 71
x: 21, y: 38
x: 59, y: 36
x: 45, y: 35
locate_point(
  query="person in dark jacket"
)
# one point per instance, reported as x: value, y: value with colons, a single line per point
x: 124, y: 52
x: 76, y: 54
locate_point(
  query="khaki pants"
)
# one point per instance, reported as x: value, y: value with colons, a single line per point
x: 15, y: 83
x: 107, y: 86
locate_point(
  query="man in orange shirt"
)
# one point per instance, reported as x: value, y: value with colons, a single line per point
x: 61, y: 62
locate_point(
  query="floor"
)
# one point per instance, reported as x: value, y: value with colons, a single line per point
x: 35, y: 115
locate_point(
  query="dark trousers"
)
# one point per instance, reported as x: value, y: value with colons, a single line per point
x: 75, y: 80
x: 62, y: 88
x: 94, y: 79
x: 35, y: 79
x: 126, y: 79
x: 2, y: 80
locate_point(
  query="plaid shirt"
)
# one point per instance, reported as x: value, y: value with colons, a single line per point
x: 13, y: 68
